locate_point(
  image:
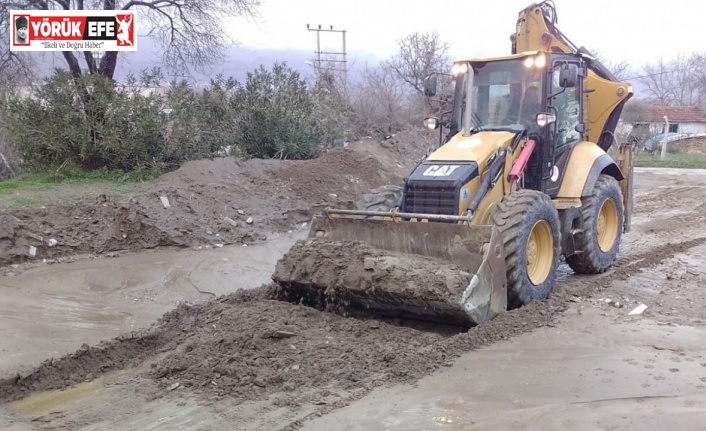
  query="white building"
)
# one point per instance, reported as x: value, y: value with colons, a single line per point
x: 685, y: 120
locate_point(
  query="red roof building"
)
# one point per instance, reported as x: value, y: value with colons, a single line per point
x: 676, y: 114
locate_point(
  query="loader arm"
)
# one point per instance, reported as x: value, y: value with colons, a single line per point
x: 605, y: 95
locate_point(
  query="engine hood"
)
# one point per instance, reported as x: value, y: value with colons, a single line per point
x: 478, y: 147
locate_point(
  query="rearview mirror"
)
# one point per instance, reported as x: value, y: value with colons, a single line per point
x: 568, y: 75
x: 430, y: 84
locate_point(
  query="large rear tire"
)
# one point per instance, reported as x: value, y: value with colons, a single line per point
x: 529, y: 225
x: 381, y: 199
x: 601, y: 228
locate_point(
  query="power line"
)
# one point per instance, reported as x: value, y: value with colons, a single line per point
x: 655, y: 74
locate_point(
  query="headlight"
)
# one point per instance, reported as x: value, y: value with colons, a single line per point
x: 431, y: 123
x: 459, y: 68
x: 539, y: 61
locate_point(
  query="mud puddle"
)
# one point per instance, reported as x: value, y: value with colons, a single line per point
x: 261, y: 382
x: 638, y: 375
x: 52, y: 310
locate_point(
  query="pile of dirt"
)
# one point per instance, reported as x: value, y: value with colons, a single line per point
x: 250, y: 346
x: 212, y: 202
x: 247, y: 346
x: 355, y: 275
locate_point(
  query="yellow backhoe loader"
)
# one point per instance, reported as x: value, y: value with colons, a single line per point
x: 522, y: 179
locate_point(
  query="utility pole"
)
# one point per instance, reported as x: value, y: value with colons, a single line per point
x: 340, y: 57
x: 664, y: 139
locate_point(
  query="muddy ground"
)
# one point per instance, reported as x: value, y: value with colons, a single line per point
x: 245, y: 361
x: 210, y: 203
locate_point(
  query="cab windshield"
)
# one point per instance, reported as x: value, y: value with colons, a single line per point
x: 507, y: 95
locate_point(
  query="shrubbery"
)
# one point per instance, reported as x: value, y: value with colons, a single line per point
x: 91, y: 123
x: 145, y: 124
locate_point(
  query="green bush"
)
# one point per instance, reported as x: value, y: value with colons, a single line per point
x: 275, y: 115
x: 89, y: 123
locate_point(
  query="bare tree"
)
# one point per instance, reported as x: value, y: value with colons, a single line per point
x: 621, y: 69
x: 679, y: 82
x: 380, y: 102
x: 190, y: 32
x: 656, y: 80
x: 418, y: 55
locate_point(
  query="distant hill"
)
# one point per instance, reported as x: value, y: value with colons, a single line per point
x: 239, y: 61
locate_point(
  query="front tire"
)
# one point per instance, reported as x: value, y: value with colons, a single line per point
x: 529, y: 225
x: 601, y: 228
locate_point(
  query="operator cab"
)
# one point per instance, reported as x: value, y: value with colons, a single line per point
x: 533, y: 94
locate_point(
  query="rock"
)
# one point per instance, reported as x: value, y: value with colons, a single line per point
x: 173, y: 386
x: 52, y: 242
x: 32, y: 251
x: 638, y: 310
x: 281, y: 334
x: 230, y: 221
x: 369, y: 263
x: 259, y: 382
x: 208, y: 232
x: 165, y: 201
x: 241, y: 212
x: 295, y: 367
x: 34, y: 236
x: 249, y: 220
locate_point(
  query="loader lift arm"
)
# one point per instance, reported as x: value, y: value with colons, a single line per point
x: 605, y: 96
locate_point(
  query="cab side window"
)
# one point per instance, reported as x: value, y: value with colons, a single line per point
x: 567, y: 103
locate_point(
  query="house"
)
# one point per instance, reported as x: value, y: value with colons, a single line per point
x: 684, y: 120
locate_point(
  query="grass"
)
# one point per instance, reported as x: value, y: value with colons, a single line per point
x: 677, y: 160
x: 50, y: 179
x: 68, y: 186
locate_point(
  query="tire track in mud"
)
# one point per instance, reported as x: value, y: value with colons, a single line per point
x: 239, y: 347
x: 654, y: 238
x: 85, y: 364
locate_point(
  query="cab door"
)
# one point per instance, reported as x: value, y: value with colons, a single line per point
x: 566, y: 102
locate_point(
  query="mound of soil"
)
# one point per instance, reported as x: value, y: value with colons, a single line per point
x: 248, y: 346
x: 212, y: 202
x: 354, y: 275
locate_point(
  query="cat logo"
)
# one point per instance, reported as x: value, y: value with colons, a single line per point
x: 440, y: 171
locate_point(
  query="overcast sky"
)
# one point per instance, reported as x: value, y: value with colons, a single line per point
x: 640, y: 31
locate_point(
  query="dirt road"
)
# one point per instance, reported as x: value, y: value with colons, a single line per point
x: 245, y: 362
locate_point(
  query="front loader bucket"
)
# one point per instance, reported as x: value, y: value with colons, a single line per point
x: 436, y: 271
